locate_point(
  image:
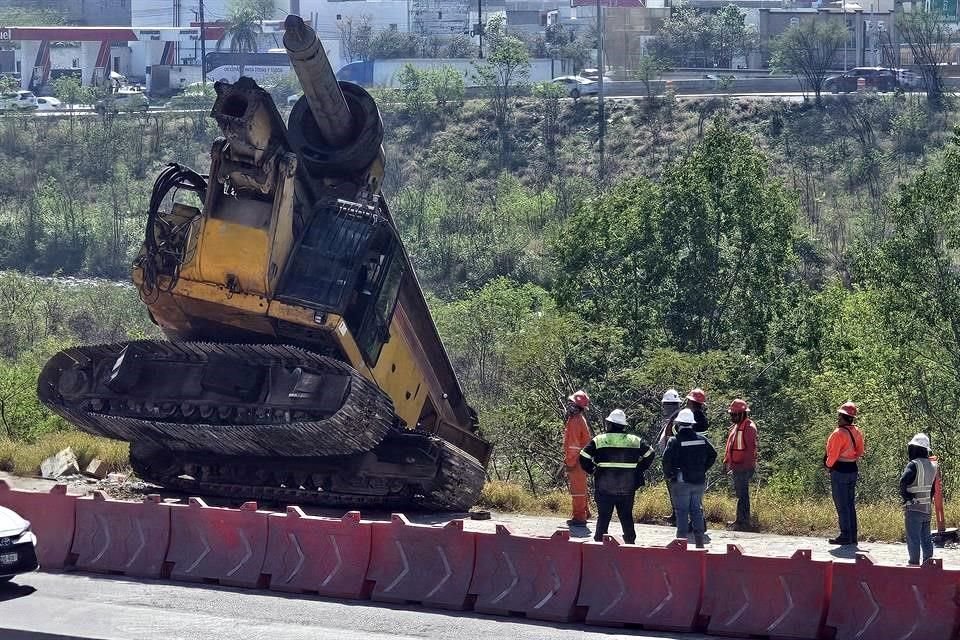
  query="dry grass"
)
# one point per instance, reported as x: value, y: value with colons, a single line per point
x: 24, y: 459
x: 878, y: 522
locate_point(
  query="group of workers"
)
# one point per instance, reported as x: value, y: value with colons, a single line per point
x: 618, y: 462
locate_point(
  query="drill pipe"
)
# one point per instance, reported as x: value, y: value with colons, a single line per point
x: 318, y: 80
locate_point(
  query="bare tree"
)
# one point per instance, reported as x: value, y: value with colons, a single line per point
x: 807, y: 50
x: 355, y: 36
x: 930, y: 38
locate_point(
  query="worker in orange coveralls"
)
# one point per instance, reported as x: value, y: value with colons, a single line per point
x: 576, y: 436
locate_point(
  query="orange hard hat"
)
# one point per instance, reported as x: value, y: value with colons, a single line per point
x: 580, y: 398
x: 738, y: 406
x: 848, y: 409
x: 697, y: 395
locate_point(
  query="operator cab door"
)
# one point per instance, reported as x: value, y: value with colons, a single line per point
x: 378, y: 283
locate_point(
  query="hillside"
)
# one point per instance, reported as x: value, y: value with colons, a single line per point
x: 779, y: 251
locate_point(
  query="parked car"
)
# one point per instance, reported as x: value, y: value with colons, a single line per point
x: 18, y: 101
x: 127, y: 98
x: 17, y: 545
x: 594, y: 74
x: 292, y: 100
x: 46, y: 103
x: 909, y: 80
x: 576, y: 86
x: 876, y: 78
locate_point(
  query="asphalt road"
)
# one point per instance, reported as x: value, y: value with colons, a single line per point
x: 50, y: 606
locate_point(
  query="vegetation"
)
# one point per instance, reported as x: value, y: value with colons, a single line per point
x: 807, y: 50
x: 799, y: 255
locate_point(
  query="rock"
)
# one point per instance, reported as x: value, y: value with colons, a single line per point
x: 118, y: 478
x: 96, y: 469
x: 59, y: 465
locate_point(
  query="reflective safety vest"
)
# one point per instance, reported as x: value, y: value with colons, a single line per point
x: 617, y: 461
x: 920, y: 489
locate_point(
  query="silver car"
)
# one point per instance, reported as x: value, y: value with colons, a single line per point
x: 576, y: 86
x: 18, y: 552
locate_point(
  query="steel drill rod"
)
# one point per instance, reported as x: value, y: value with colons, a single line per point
x: 318, y: 80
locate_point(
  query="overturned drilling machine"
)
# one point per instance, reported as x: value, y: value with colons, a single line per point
x: 302, y: 363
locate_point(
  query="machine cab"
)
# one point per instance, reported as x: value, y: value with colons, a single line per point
x: 348, y: 262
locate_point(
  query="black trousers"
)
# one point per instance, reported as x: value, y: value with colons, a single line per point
x: 624, y: 506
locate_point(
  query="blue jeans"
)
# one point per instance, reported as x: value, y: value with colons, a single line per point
x: 688, y: 503
x: 843, y: 486
x: 918, y: 535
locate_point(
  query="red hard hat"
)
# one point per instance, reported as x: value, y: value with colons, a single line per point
x: 848, y: 409
x: 580, y: 398
x: 738, y: 406
x: 697, y: 395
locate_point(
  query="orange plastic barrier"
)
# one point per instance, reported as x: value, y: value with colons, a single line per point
x: 652, y: 587
x: 215, y: 544
x: 538, y: 577
x: 318, y: 555
x: 426, y: 564
x: 51, y: 515
x: 763, y: 596
x: 115, y: 536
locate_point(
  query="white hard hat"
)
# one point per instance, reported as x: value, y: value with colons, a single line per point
x: 685, y: 417
x: 670, y: 396
x: 921, y: 440
x: 617, y: 416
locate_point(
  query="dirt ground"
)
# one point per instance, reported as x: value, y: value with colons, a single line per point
x: 761, y: 544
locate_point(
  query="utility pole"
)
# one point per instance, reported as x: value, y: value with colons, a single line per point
x: 600, y: 114
x: 480, y: 25
x: 203, y: 46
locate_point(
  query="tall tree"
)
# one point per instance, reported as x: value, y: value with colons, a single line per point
x: 502, y: 74
x: 355, y: 35
x: 242, y: 32
x: 690, y: 37
x: 807, y: 50
x: 931, y: 37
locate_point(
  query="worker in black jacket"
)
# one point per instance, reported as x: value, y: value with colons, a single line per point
x: 686, y: 459
x: 617, y: 461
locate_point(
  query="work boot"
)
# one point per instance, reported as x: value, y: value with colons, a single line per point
x: 698, y: 540
x: 838, y: 540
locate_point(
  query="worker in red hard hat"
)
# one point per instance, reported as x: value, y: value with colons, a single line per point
x: 740, y: 460
x: 576, y: 436
x: 917, y: 487
x: 845, y: 447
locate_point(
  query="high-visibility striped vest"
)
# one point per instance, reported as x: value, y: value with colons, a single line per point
x: 921, y: 488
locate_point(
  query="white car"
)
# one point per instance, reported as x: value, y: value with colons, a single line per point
x: 17, y: 545
x: 292, y: 100
x: 46, y: 103
x: 575, y: 86
x: 18, y: 101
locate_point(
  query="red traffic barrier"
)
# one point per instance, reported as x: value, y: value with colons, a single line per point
x: 652, y: 587
x: 318, y: 555
x: 876, y: 602
x: 216, y: 544
x: 51, y: 516
x: 115, y: 536
x: 763, y: 596
x: 427, y: 564
x: 538, y: 577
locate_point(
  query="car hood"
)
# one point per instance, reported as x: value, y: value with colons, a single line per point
x: 10, y: 523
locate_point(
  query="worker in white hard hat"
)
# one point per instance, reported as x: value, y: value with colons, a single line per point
x: 617, y: 461
x: 917, y: 485
x: 686, y: 460
x: 669, y: 408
